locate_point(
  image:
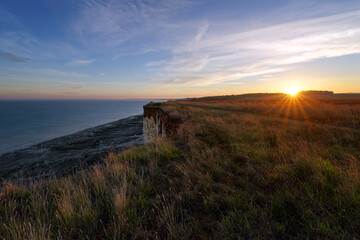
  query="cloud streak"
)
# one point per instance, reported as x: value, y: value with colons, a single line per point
x: 201, y: 32
x: 13, y: 58
x: 81, y: 62
x: 110, y: 23
x: 52, y: 72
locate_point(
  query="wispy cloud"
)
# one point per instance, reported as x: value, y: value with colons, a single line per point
x: 13, y: 58
x: 4, y: 75
x: 227, y: 56
x: 16, y: 37
x: 72, y: 85
x: 29, y: 45
x: 201, y: 32
x: 81, y: 62
x: 111, y: 23
x: 219, y: 77
x: 53, y: 72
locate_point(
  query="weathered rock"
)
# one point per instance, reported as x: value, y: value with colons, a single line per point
x: 158, y: 124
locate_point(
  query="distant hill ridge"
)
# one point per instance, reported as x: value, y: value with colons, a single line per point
x: 274, y: 96
x: 316, y: 92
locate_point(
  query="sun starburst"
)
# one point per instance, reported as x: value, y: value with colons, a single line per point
x: 292, y: 91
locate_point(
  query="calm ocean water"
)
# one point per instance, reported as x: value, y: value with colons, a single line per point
x: 24, y: 123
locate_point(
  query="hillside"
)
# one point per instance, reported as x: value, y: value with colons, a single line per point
x: 239, y: 167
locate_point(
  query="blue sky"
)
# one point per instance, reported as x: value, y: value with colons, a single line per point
x: 176, y: 48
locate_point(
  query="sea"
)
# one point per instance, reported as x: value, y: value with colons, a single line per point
x: 24, y: 123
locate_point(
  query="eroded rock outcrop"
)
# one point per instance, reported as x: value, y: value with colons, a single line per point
x: 158, y: 124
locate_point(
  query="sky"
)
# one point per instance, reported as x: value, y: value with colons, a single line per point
x: 122, y: 49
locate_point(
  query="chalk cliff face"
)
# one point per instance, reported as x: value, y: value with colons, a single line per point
x: 158, y: 124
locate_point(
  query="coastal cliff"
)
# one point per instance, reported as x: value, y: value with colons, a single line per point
x: 158, y: 123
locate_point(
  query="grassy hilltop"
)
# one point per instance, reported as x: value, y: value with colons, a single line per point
x: 254, y: 166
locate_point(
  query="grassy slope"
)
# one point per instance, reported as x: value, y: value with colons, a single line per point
x: 239, y: 168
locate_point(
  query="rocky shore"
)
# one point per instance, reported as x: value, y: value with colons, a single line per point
x: 67, y: 154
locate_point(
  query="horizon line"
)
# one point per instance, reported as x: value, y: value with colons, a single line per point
x: 165, y: 98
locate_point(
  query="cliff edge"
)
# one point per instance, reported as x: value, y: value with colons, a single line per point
x: 158, y: 123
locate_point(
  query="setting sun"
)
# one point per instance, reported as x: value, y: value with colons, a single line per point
x: 292, y: 91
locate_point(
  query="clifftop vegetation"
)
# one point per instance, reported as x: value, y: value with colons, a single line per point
x: 239, y: 168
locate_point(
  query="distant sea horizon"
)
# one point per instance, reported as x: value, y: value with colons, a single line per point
x: 26, y: 122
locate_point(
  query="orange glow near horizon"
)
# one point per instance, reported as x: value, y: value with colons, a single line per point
x: 293, y: 90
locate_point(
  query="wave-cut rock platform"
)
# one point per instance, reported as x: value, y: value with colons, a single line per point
x: 67, y: 154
